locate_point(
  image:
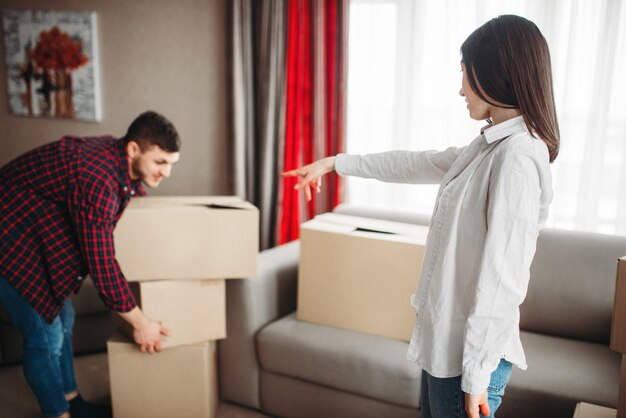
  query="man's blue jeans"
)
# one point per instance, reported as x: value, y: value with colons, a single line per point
x: 443, y: 397
x: 47, y: 350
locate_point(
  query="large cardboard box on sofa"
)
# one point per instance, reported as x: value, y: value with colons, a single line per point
x: 176, y: 382
x: 621, y: 400
x: 193, y: 310
x: 359, y: 273
x: 618, y: 324
x: 196, y: 237
x: 618, y: 331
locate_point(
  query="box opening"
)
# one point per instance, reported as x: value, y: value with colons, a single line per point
x: 374, y: 231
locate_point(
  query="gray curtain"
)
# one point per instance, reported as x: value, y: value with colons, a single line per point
x: 258, y: 69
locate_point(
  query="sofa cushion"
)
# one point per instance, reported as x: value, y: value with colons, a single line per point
x: 251, y: 304
x: 284, y: 396
x: 562, y: 372
x: 572, y: 285
x: 357, y: 363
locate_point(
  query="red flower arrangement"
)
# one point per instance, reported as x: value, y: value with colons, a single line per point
x: 56, y: 50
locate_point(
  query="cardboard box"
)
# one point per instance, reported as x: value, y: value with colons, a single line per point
x: 193, y: 310
x: 621, y: 402
x: 618, y: 331
x: 178, y: 238
x: 587, y: 410
x: 359, y: 273
x: 618, y: 324
x: 176, y: 382
x: 226, y: 201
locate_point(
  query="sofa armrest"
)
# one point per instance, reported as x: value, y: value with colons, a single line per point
x: 250, y: 305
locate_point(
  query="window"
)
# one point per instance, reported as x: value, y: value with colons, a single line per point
x: 404, y: 80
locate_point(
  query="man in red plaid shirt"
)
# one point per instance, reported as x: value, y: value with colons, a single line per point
x: 59, y: 205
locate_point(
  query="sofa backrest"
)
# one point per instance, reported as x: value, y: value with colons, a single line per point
x: 572, y: 284
x: 572, y: 278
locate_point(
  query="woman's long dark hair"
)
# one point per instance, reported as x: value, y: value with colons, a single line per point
x: 507, y: 62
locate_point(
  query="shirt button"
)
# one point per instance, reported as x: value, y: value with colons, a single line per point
x: 80, y: 278
x: 132, y: 192
x: 125, y: 188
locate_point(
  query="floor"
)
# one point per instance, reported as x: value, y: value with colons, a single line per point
x: 17, y: 401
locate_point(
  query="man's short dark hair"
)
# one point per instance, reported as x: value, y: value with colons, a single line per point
x: 151, y: 128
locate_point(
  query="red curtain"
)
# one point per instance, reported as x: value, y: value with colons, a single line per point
x: 312, y: 24
x: 336, y: 37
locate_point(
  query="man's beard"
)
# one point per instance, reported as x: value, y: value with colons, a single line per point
x: 138, y: 172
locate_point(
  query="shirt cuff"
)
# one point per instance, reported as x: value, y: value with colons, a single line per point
x: 121, y: 301
x: 342, y: 164
x: 475, y: 383
x: 124, y: 307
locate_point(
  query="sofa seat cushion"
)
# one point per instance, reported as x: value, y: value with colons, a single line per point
x: 562, y: 372
x: 361, y: 364
x: 284, y: 396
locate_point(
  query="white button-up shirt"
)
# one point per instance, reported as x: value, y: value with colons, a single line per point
x: 493, y: 199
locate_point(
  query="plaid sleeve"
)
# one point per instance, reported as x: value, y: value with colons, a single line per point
x: 93, y: 210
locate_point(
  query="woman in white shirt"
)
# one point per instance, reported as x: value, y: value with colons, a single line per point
x: 493, y: 199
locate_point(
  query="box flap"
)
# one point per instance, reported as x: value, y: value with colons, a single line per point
x: 367, y: 227
x: 217, y: 201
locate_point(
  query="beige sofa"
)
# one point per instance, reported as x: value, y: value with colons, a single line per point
x: 288, y: 368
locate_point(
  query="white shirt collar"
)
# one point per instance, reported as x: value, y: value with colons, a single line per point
x: 493, y: 133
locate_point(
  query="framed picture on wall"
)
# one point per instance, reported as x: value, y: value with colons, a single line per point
x: 52, y: 64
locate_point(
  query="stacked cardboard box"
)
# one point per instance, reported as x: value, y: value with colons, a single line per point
x: 358, y: 274
x: 176, y: 382
x: 183, y: 238
x: 618, y: 331
x: 175, y: 252
x: 194, y: 310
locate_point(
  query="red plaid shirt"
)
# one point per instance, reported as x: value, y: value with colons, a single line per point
x: 59, y: 205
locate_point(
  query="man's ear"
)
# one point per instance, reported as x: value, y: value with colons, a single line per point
x: 133, y: 149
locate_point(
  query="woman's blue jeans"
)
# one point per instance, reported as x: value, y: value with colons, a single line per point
x: 47, y: 350
x: 443, y: 397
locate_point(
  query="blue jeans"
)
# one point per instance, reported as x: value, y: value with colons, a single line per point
x: 443, y: 397
x: 47, y: 350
